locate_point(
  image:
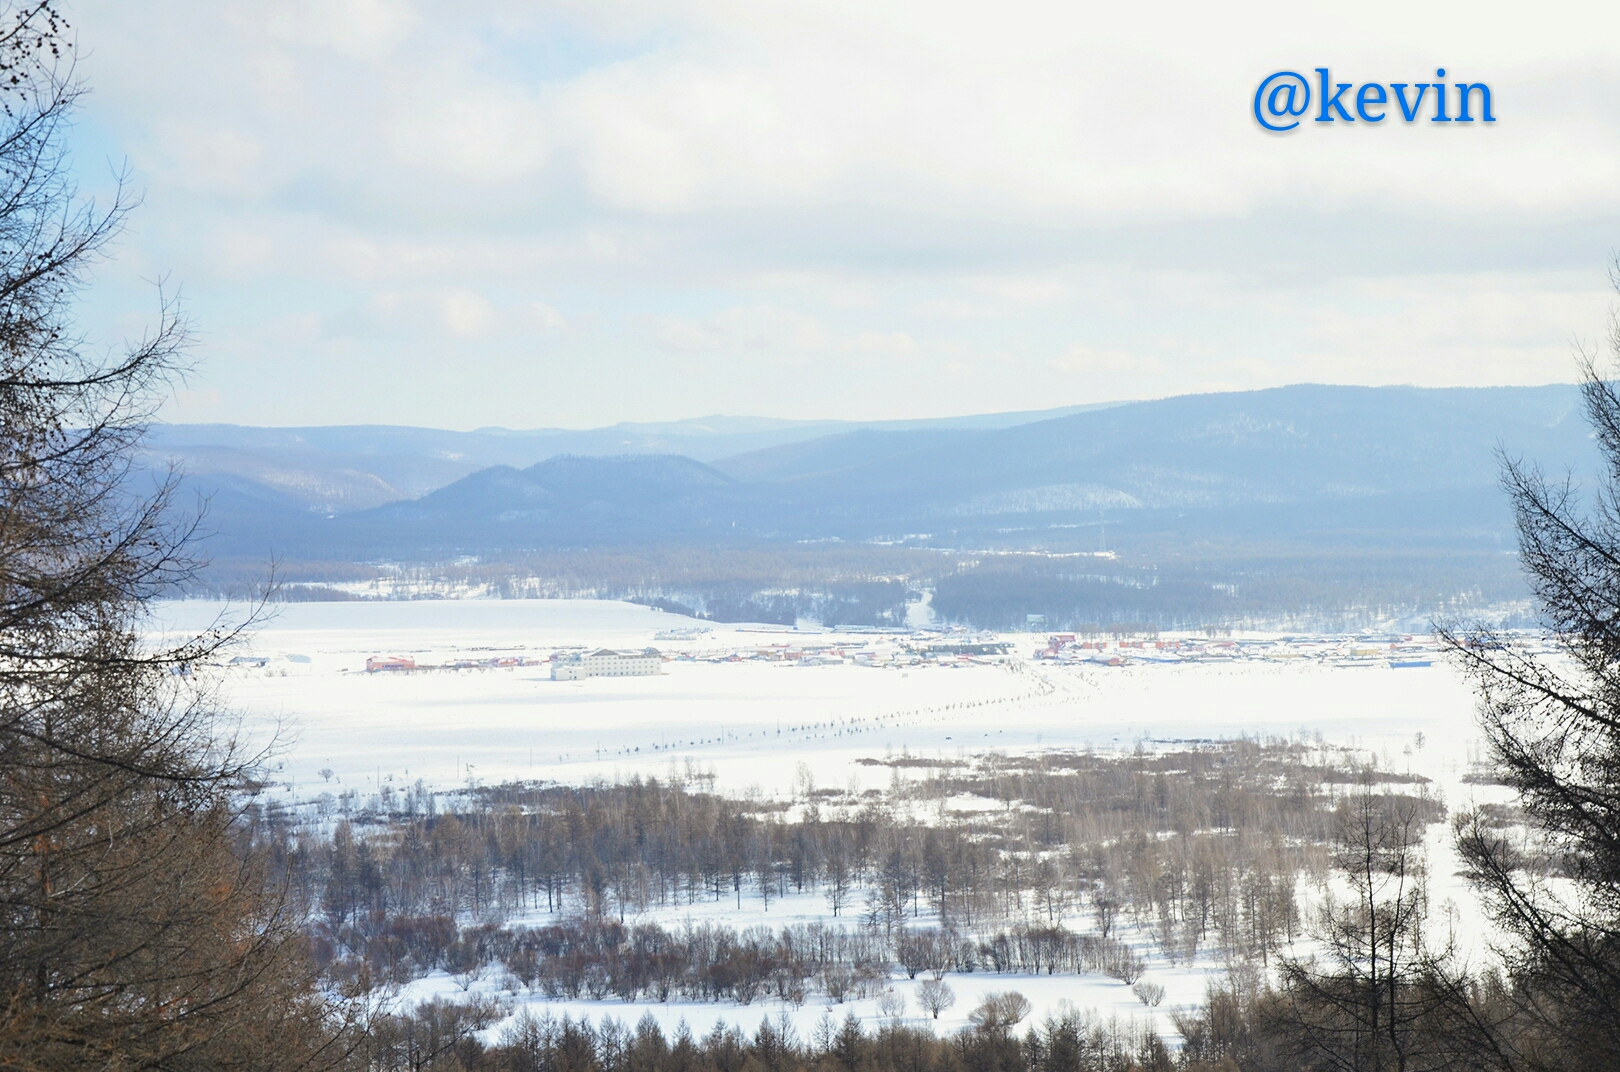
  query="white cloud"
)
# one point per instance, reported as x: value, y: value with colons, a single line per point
x: 892, y: 343
x: 688, y: 336
x: 986, y: 205
x: 464, y: 313
x: 753, y: 329
x: 213, y: 159
x: 483, y: 137
x: 360, y: 29
x: 543, y: 317
x: 1085, y: 359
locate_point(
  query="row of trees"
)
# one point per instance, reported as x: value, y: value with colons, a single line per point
x: 598, y: 959
x: 445, y: 1035
x: 1158, y: 587
x: 762, y: 581
x: 1193, y: 846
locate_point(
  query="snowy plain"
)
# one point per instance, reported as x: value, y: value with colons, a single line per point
x: 752, y: 722
x: 758, y: 726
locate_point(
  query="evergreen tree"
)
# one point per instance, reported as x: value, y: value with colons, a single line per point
x: 1553, y: 725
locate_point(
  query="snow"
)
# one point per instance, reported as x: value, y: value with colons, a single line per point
x: 1046, y: 993
x: 1184, y: 984
x: 752, y: 723
x: 758, y: 725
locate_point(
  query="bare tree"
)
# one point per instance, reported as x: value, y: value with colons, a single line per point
x: 139, y: 925
x: 1000, y: 1013
x: 935, y: 996
x: 838, y: 876
x: 1379, y: 997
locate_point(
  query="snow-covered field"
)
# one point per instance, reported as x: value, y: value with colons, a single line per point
x: 753, y: 722
x: 761, y: 724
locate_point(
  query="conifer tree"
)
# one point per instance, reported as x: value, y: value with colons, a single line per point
x: 138, y: 928
x: 1552, y: 721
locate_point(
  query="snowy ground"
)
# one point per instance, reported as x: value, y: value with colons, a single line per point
x: 1184, y: 984
x: 752, y: 724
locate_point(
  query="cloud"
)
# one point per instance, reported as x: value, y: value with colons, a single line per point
x: 892, y: 343
x: 212, y: 159
x: 987, y: 207
x: 1080, y: 358
x: 688, y: 336
x: 360, y: 29
x: 464, y: 313
x: 543, y: 317
x: 488, y: 137
x: 760, y: 328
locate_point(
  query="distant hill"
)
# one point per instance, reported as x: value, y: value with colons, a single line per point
x: 1375, y: 459
x: 572, y: 498
x: 1315, y: 505
x: 343, y: 469
x: 1391, y: 467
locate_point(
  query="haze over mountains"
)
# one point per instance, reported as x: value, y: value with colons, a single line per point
x: 1338, y: 507
x: 1393, y: 467
x: 340, y: 469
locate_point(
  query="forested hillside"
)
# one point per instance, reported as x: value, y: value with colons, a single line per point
x: 1312, y: 505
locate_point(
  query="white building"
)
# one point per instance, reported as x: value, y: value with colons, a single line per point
x: 605, y: 662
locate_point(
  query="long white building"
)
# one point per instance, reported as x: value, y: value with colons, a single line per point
x: 604, y: 662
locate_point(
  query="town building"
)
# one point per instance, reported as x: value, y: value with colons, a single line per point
x: 604, y: 662
x: 389, y: 662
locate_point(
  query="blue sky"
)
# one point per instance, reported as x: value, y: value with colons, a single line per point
x: 571, y: 214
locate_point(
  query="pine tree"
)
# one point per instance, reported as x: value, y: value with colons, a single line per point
x: 1553, y: 725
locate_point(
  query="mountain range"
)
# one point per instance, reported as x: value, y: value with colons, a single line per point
x: 345, y: 468
x: 1394, y: 467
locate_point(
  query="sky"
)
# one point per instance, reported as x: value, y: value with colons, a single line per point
x: 569, y: 214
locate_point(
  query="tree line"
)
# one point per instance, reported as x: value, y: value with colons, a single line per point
x: 1202, y: 847
x: 445, y: 1035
